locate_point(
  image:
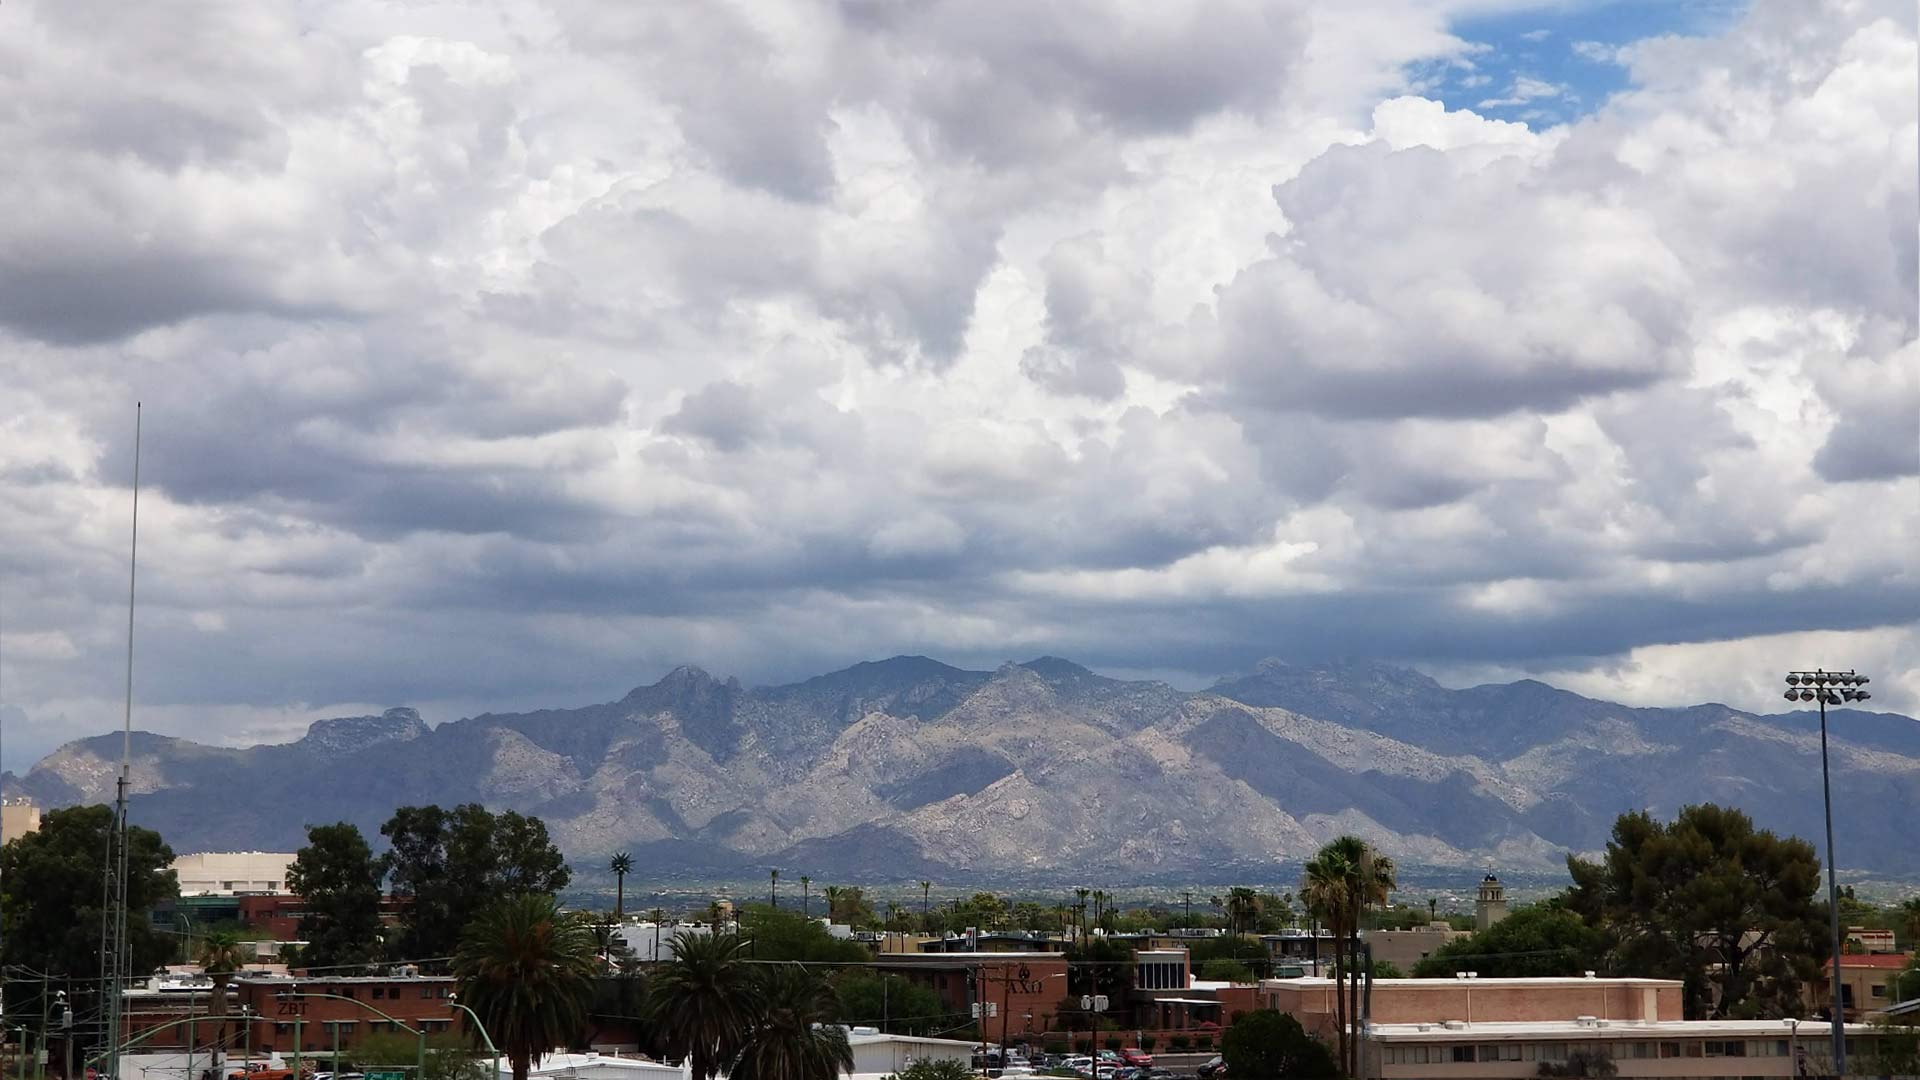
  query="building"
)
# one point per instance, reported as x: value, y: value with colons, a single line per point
x: 232, y: 873
x: 1304, y: 951
x: 1661, y: 1048
x: 306, y: 1015
x: 1866, y: 983
x: 652, y: 942
x: 1404, y: 949
x: 278, y: 915
x: 877, y: 1054
x: 1872, y: 941
x: 598, y: 1067
x: 1019, y: 993
x: 18, y: 817
x: 1475, y: 1000
x: 1491, y: 905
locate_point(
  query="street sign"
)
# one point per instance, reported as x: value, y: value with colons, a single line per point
x: 1086, y: 1001
x: 1099, y: 1003
x: 379, y: 1074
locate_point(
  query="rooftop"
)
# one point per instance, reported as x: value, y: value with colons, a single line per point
x: 1895, y: 961
x: 1484, y: 984
x: 1605, y: 1029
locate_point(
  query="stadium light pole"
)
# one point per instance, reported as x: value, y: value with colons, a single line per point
x: 1835, y: 687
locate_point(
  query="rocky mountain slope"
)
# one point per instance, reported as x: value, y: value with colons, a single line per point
x: 909, y: 767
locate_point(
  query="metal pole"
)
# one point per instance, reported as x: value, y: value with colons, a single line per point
x: 40, y: 1054
x: 1838, y: 1023
x: 336, y: 1048
x: 298, y: 1023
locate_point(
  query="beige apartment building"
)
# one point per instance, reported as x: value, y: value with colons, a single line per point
x: 1476, y: 1000
x: 1406, y: 948
x: 18, y: 817
x: 232, y: 873
x: 1730, y: 1049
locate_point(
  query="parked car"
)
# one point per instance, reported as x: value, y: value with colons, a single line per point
x: 1214, y: 1069
x: 1136, y: 1057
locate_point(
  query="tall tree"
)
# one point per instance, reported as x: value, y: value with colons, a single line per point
x: 221, y: 953
x: 528, y: 971
x: 1709, y: 899
x: 339, y: 879
x: 621, y: 865
x: 50, y: 892
x: 794, y: 1036
x: 703, y: 1002
x: 1243, y: 908
x: 806, y: 897
x: 1341, y: 881
x: 1540, y: 940
x: 452, y: 863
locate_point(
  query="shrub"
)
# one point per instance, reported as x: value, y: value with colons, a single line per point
x: 1178, y: 1043
x: 1055, y: 1047
x: 1147, y: 1043
x: 1083, y: 1046
x: 936, y: 1069
x: 1112, y: 1044
x: 1204, y: 1042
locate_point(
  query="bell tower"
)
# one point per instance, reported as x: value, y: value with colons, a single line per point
x: 1491, y: 906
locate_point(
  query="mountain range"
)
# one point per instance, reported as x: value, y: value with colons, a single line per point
x: 1038, y: 771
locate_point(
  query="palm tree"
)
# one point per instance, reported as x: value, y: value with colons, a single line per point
x: 926, y: 890
x: 622, y: 865
x: 1081, y: 895
x: 221, y: 954
x: 795, y: 1037
x: 773, y: 888
x: 528, y: 972
x: 1341, y: 881
x: 704, y: 1001
x: 1243, y: 908
x: 834, y: 895
x: 806, y: 900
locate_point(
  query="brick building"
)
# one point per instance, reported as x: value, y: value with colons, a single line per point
x: 1024, y: 989
x: 307, y: 1013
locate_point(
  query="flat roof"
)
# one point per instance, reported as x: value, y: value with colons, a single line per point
x: 316, y: 980
x: 867, y: 1039
x: 964, y: 959
x: 1534, y: 982
x: 1606, y: 1029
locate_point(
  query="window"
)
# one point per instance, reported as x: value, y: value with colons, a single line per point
x: 1878, y: 990
x: 1463, y: 1053
x: 1669, y: 1049
x: 282, y: 1029
x: 379, y: 992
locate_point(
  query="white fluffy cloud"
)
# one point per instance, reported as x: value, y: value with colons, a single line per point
x: 506, y: 354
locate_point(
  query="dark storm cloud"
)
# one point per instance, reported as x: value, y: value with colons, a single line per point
x: 515, y: 353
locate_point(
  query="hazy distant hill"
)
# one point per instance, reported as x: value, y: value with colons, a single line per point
x: 909, y: 767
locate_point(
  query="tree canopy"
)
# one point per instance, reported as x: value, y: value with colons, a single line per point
x: 50, y: 882
x: 527, y: 970
x: 1712, y: 900
x: 337, y: 876
x: 890, y: 1003
x: 1269, y: 1045
x: 452, y: 863
x: 785, y: 934
x: 1541, y: 940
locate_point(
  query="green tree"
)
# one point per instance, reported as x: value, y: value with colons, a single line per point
x: 528, y: 971
x: 1387, y: 969
x: 1243, y: 909
x: 1909, y: 918
x: 1222, y: 969
x: 221, y: 953
x: 935, y: 1069
x: 621, y: 865
x: 1706, y: 898
x: 785, y: 934
x: 452, y: 863
x: 1251, y: 954
x: 1100, y: 966
x: 794, y: 1036
x: 1344, y: 879
x: 704, y: 1001
x: 1269, y: 1045
x: 1540, y: 940
x: 890, y: 1003
x: 1581, y: 1063
x: 51, y: 896
x: 337, y: 876
x: 983, y: 910
x: 449, y: 1056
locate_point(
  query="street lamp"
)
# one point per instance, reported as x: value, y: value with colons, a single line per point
x: 454, y: 1000
x: 1835, y: 687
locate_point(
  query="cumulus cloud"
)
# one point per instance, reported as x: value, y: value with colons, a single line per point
x: 506, y: 355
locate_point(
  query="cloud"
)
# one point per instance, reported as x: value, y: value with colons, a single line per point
x: 507, y: 355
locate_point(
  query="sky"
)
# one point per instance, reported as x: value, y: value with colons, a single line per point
x: 504, y: 355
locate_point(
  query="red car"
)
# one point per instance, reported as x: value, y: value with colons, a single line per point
x: 1136, y: 1057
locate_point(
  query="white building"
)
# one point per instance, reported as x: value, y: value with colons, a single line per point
x: 876, y: 1054
x: 654, y: 941
x: 598, y: 1067
x: 231, y: 873
x: 1637, y: 1048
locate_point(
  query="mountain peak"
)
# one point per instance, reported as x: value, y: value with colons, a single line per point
x: 343, y: 733
x: 1053, y: 667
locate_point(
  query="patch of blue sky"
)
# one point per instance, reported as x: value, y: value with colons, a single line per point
x: 1551, y: 63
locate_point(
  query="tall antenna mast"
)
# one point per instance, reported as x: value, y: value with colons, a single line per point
x: 115, y: 957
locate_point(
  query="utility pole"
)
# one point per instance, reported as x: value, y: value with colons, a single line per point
x: 114, y: 954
